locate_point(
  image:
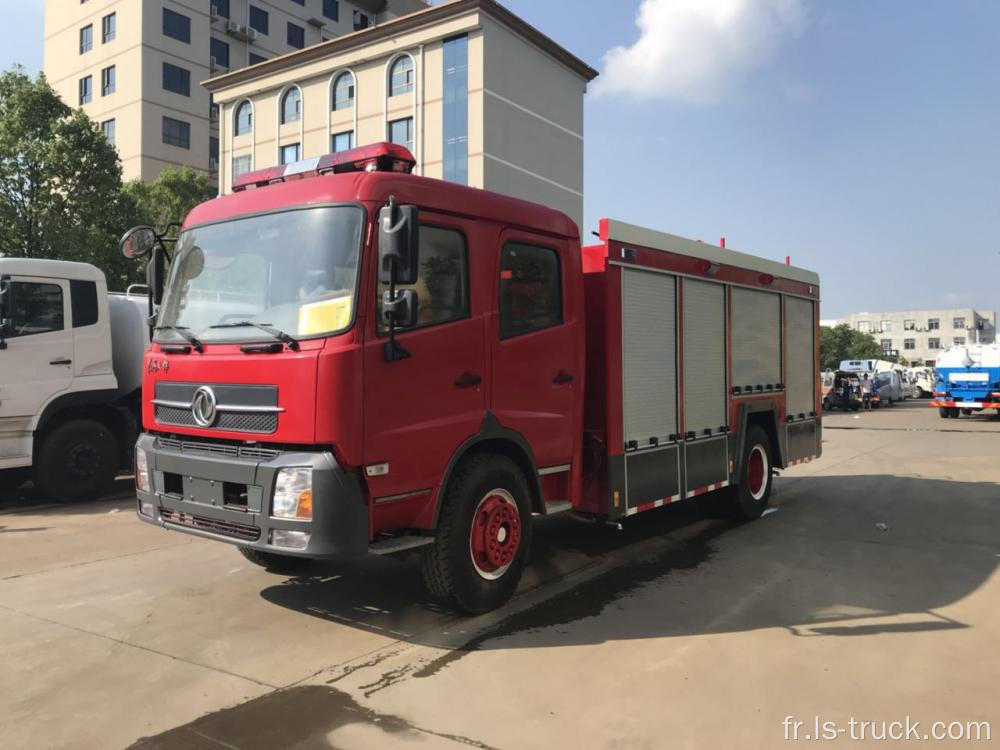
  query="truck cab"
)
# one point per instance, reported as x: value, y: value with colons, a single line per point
x: 62, y: 407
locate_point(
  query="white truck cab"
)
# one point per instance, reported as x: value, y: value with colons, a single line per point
x: 70, y: 373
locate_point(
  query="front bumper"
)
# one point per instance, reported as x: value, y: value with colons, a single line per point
x: 193, y: 488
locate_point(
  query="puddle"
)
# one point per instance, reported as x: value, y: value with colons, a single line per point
x: 301, y: 717
x: 590, y: 598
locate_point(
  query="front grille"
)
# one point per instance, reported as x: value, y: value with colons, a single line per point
x: 226, y: 420
x: 222, y: 528
x: 219, y: 449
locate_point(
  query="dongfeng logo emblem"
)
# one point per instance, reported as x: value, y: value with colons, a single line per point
x: 203, y: 406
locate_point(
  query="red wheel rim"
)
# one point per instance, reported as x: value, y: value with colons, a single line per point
x: 495, y: 535
x: 757, y: 472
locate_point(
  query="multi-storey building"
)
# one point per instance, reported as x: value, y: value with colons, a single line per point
x: 136, y: 66
x: 919, y: 335
x: 478, y: 95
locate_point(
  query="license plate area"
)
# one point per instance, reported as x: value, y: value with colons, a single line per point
x: 207, y: 492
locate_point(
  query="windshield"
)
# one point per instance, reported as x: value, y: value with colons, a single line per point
x: 294, y: 271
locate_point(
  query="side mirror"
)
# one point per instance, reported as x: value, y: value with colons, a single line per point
x: 400, y: 312
x: 137, y: 242
x: 397, y: 243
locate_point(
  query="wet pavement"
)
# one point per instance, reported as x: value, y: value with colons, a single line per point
x: 870, y: 590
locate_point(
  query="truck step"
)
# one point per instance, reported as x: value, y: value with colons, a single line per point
x: 557, y: 506
x: 398, y: 544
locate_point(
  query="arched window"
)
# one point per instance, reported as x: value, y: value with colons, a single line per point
x: 401, y: 76
x: 343, y: 91
x: 291, y: 106
x: 244, y: 118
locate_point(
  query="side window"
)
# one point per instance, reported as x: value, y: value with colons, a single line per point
x: 443, y: 278
x: 530, y: 289
x: 35, y: 308
x: 83, y: 303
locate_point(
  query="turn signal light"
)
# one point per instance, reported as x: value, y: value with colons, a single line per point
x: 304, y: 508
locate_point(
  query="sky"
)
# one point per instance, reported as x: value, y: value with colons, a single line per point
x: 859, y: 137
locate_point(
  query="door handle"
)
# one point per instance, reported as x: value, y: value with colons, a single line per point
x: 562, y: 378
x: 61, y: 362
x: 468, y: 380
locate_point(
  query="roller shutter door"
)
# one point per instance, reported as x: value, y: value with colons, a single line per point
x: 800, y: 352
x: 704, y: 356
x: 649, y: 356
x: 756, y: 338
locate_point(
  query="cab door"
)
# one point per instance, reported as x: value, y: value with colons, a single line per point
x: 38, y: 360
x: 37, y: 363
x: 419, y: 410
x: 537, y: 364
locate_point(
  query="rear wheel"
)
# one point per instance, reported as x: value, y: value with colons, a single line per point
x: 483, y: 536
x: 953, y: 411
x: 967, y: 412
x: 943, y: 412
x: 751, y: 494
x: 78, y: 460
x: 275, y: 562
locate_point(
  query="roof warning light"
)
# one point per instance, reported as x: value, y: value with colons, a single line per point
x: 377, y: 157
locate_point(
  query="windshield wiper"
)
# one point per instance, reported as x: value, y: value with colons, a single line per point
x: 186, y: 334
x: 266, y: 328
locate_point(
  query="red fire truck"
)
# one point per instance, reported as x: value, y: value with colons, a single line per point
x: 349, y: 358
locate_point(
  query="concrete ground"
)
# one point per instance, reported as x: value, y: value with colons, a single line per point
x: 869, y: 592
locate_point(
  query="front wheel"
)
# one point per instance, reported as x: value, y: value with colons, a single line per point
x: 78, y: 460
x: 483, y: 536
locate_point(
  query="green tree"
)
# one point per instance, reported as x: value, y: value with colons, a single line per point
x: 60, y: 181
x: 169, y: 197
x: 843, y: 342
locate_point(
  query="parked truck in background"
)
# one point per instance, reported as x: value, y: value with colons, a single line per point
x: 968, y: 380
x: 70, y: 377
x: 351, y: 359
x: 923, y: 379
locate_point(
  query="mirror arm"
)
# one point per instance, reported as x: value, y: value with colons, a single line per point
x: 393, y: 352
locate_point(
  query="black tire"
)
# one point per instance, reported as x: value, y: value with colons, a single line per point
x: 953, y: 410
x: 967, y: 412
x: 750, y: 496
x: 275, y: 562
x: 78, y: 460
x: 486, y: 490
x: 943, y: 412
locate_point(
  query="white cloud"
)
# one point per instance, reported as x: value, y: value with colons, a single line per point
x: 695, y: 49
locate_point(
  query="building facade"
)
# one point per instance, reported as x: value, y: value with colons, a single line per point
x: 918, y: 335
x: 478, y: 95
x: 135, y: 66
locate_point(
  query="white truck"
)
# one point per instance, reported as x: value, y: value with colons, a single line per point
x: 70, y: 377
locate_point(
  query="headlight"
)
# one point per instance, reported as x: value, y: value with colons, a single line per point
x: 141, y: 470
x: 293, y: 494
